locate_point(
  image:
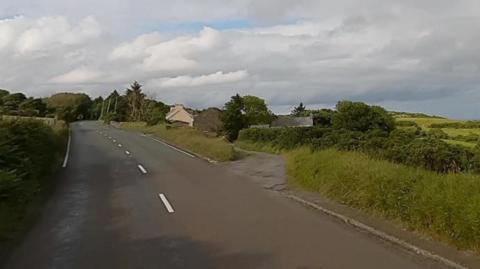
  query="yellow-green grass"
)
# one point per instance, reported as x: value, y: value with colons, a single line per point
x: 460, y: 143
x: 426, y: 122
x: 445, y: 206
x: 188, y: 138
x: 261, y: 147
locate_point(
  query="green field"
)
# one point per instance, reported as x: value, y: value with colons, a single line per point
x: 425, y: 123
x: 215, y: 148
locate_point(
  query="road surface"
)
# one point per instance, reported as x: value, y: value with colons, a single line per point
x: 127, y: 201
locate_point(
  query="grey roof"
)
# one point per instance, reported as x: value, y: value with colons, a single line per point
x: 291, y: 121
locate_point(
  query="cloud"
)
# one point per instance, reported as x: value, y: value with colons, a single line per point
x: 80, y: 75
x: 379, y: 51
x: 188, y: 81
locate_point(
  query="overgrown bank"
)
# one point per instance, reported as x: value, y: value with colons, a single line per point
x: 29, y: 153
x: 446, y: 206
x: 215, y: 148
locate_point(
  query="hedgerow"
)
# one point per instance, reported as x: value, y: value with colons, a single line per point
x: 29, y: 151
x: 401, y: 146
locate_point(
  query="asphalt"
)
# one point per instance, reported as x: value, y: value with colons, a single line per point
x: 107, y: 213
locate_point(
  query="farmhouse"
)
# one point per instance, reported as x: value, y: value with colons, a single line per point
x: 291, y: 121
x: 180, y: 115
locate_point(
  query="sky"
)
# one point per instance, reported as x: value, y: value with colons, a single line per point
x: 409, y: 55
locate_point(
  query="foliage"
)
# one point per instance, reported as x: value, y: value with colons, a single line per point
x: 70, y: 106
x: 299, y: 111
x: 357, y: 116
x: 406, y: 123
x: 29, y: 150
x: 444, y: 205
x: 233, y: 117
x: 256, y: 111
x: 189, y: 139
x: 400, y: 146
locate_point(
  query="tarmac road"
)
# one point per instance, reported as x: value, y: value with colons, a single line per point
x: 137, y: 203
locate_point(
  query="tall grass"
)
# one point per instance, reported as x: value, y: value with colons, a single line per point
x: 188, y: 138
x: 446, y: 206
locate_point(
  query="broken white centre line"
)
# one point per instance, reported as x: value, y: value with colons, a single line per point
x: 168, y: 206
x: 127, y: 152
x: 114, y: 141
x: 119, y: 145
x: 142, y: 169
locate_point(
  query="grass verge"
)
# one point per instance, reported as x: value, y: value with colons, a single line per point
x: 445, y: 206
x: 188, y: 138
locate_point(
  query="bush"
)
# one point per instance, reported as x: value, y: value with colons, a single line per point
x: 437, y: 133
x: 401, y: 146
x: 28, y: 151
x: 406, y: 123
x: 357, y: 116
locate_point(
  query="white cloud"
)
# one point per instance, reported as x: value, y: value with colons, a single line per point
x: 188, y: 81
x: 381, y: 51
x: 49, y: 33
x: 81, y: 75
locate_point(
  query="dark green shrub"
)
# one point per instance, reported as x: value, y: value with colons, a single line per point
x: 437, y: 133
x: 357, y: 116
x: 406, y: 123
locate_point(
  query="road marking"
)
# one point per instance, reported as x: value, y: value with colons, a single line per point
x: 168, y: 206
x: 114, y: 141
x: 142, y: 169
x: 127, y: 152
x: 65, y: 161
x: 172, y: 147
x: 109, y: 137
x: 119, y: 145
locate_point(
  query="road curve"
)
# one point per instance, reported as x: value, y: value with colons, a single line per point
x: 146, y: 205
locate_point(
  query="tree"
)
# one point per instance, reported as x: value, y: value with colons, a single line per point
x: 323, y: 117
x: 136, y: 101
x: 11, y: 102
x: 70, y: 106
x: 358, y: 116
x: 256, y: 111
x: 233, y: 117
x: 33, y: 107
x: 299, y: 110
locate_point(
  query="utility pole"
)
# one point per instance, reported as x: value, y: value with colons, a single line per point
x: 108, y: 106
x: 116, y: 99
x: 101, y: 112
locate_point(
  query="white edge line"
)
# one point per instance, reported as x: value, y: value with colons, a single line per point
x: 142, y: 169
x: 379, y: 234
x: 172, y: 147
x: 168, y: 206
x: 67, y: 153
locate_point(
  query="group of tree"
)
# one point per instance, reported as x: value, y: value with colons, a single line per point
x: 241, y: 112
x: 133, y: 105
x: 19, y: 104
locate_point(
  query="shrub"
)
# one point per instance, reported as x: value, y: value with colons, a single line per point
x: 406, y: 123
x: 357, y: 116
x: 437, y: 133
